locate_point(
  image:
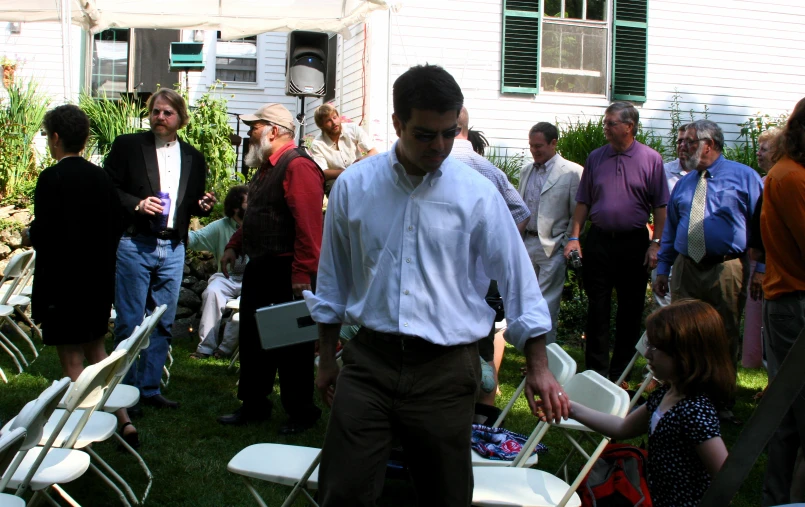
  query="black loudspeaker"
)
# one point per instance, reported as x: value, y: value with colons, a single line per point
x: 306, y: 67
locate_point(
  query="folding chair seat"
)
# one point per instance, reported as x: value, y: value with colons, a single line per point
x: 528, y: 487
x: 41, y: 468
x: 563, y: 367
x: 288, y: 465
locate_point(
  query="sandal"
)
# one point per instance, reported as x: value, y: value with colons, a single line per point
x: 133, y: 438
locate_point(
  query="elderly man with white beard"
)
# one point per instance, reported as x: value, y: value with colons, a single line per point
x: 281, y: 234
x: 708, y: 225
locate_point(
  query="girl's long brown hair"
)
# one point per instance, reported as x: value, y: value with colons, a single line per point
x: 693, y: 334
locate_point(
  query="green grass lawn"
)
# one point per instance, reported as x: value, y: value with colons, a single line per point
x: 187, y: 450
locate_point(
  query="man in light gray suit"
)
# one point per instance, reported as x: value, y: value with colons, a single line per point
x: 548, y: 186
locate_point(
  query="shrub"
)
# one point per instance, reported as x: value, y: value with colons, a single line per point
x: 20, y: 120
x: 107, y: 120
x: 209, y: 132
x: 509, y: 164
x: 577, y: 139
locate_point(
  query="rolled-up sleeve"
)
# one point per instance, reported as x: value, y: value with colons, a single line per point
x: 505, y: 259
x: 334, y: 279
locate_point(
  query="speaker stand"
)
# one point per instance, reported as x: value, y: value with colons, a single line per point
x: 301, y: 119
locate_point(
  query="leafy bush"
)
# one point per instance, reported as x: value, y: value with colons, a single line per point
x: 107, y: 120
x: 577, y: 139
x: 509, y: 164
x: 209, y: 132
x: 20, y: 120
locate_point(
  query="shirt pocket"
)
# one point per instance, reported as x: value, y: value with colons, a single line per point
x: 728, y: 203
x: 446, y: 252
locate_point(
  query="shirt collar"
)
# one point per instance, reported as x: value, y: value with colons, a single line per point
x: 548, y: 164
x: 327, y: 140
x: 398, y: 170
x: 629, y: 152
x: 274, y: 158
x: 162, y: 144
x: 715, y: 166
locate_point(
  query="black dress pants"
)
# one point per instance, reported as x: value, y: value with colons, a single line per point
x: 267, y: 281
x: 614, y: 261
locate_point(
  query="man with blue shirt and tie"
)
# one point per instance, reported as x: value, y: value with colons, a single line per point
x: 411, y: 239
x: 708, y: 225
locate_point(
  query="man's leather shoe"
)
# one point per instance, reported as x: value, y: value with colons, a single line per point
x: 159, y: 401
x: 244, y: 415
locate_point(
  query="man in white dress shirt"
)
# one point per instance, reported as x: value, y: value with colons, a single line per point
x: 548, y: 186
x: 411, y: 240
x: 339, y: 144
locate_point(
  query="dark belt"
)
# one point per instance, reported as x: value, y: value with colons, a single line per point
x: 167, y: 234
x: 712, y: 260
x: 402, y: 341
x: 532, y: 233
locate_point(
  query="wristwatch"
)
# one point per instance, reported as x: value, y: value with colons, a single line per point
x: 656, y: 240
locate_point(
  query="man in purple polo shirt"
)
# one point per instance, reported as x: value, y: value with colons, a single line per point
x: 621, y: 184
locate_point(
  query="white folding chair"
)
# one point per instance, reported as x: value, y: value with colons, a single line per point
x: 78, y: 425
x: 10, y: 443
x: 640, y: 347
x: 562, y: 367
x: 528, y: 487
x: 13, y: 272
x: 289, y: 465
x: 40, y: 468
x: 20, y: 296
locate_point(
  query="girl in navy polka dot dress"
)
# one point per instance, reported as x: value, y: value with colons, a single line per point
x: 687, y: 349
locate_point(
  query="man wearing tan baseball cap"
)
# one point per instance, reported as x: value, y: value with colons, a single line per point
x: 281, y: 234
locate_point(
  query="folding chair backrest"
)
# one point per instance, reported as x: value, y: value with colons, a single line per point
x: 10, y: 443
x: 640, y: 346
x: 32, y: 419
x: 562, y: 366
x: 89, y: 388
x: 29, y: 270
x: 152, y: 320
x: 590, y: 389
x: 14, y: 270
x: 131, y: 348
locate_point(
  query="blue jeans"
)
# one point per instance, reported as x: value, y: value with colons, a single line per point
x: 149, y: 274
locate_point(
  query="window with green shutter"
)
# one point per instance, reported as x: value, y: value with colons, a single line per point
x: 630, y: 50
x: 562, y: 46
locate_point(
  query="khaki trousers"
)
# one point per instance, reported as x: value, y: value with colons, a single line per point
x: 721, y: 285
x: 424, y: 394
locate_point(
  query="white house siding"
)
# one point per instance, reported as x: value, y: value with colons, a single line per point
x: 736, y: 57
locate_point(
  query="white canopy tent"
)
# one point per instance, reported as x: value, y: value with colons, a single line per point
x: 234, y: 18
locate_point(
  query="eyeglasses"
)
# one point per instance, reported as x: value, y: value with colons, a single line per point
x: 689, y: 142
x: 611, y: 124
x: 164, y: 112
x: 649, y: 347
x: 427, y: 137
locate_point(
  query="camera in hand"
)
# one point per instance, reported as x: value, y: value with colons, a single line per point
x: 574, y: 260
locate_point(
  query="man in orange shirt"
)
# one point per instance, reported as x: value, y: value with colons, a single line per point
x: 782, y: 224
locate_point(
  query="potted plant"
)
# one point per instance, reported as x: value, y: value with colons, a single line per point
x: 9, y: 68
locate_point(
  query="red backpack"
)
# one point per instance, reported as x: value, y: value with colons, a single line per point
x: 617, y: 479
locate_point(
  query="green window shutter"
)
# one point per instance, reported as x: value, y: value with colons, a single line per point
x: 630, y: 55
x: 521, y: 42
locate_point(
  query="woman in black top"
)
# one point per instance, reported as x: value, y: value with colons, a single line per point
x: 75, y: 232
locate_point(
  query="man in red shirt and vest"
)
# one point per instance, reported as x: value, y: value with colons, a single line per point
x: 281, y: 234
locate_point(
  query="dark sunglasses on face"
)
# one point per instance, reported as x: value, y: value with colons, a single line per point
x: 426, y: 137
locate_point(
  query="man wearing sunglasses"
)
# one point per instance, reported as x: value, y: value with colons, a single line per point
x: 150, y: 257
x: 411, y: 240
